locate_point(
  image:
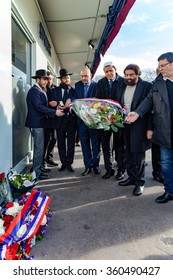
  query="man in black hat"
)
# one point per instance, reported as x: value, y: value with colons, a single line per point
x: 38, y: 111
x: 66, y: 125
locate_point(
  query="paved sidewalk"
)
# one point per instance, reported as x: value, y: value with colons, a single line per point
x: 96, y: 219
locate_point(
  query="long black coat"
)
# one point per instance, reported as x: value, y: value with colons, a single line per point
x: 159, y: 100
x: 138, y: 129
x: 57, y: 96
x: 103, y: 90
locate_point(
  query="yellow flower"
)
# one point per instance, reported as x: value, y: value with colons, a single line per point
x: 96, y: 105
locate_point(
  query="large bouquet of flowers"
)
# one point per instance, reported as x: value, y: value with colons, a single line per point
x: 22, y: 224
x: 99, y: 113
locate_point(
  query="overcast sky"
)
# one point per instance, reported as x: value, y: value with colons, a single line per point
x: 146, y: 33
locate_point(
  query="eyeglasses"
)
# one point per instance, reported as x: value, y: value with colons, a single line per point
x: 163, y: 65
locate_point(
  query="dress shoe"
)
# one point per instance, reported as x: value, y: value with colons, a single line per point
x: 96, y: 170
x: 164, y: 198
x: 62, y: 168
x: 108, y: 174
x: 127, y: 182
x: 138, y: 190
x: 119, y: 176
x: 77, y: 144
x: 45, y: 170
x: 43, y: 176
x: 70, y: 168
x: 51, y: 162
x: 86, y: 171
x: 159, y: 178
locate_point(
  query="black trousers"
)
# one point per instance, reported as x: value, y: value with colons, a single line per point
x: 119, y: 150
x: 66, y: 140
x: 155, y: 158
x: 105, y: 137
x: 135, y: 162
x: 49, y: 143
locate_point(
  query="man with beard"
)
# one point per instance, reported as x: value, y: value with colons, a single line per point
x: 38, y: 111
x: 130, y: 94
x: 65, y: 125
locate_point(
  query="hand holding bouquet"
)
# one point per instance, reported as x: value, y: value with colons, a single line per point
x: 99, y: 113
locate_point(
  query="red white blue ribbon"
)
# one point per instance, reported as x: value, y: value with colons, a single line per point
x: 9, y: 236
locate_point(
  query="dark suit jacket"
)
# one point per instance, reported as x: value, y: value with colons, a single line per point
x: 79, y: 90
x: 103, y: 90
x: 57, y: 96
x: 37, y: 108
x: 138, y: 129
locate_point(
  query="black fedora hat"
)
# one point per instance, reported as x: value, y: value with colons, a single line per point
x: 63, y: 73
x: 41, y: 73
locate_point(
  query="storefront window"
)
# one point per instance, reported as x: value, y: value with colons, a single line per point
x: 21, y: 65
x: 19, y: 48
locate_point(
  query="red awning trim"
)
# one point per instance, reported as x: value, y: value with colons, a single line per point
x: 120, y: 19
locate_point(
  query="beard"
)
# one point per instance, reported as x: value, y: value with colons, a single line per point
x: 130, y: 82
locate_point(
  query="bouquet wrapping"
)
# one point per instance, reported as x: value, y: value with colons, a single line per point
x: 97, y: 113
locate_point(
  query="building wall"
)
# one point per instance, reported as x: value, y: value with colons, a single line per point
x: 5, y: 91
x: 29, y: 13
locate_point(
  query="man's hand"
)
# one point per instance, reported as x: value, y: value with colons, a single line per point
x: 59, y: 113
x: 53, y: 103
x: 149, y: 134
x: 67, y: 103
x: 132, y: 117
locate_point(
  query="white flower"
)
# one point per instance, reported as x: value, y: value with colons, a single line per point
x: 21, y: 231
x: 1, y: 223
x: 31, y: 217
x: 2, y: 231
x: 14, y: 210
x: 44, y: 221
x: 39, y: 199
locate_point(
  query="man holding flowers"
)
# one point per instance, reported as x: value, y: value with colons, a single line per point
x: 90, y: 142
x: 105, y: 89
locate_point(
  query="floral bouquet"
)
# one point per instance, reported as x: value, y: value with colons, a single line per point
x: 21, y: 183
x: 99, y: 113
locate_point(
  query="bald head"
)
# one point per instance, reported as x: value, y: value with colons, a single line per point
x: 85, y: 75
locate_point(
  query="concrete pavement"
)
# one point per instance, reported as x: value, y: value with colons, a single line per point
x: 96, y: 219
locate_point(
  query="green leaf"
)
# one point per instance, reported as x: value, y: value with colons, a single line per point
x: 118, y: 124
x: 114, y: 128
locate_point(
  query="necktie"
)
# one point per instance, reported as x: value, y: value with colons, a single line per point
x: 85, y: 90
x: 65, y: 96
x: 110, y: 83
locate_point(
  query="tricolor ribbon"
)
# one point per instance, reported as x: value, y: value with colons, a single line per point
x: 9, y: 236
x: 109, y: 101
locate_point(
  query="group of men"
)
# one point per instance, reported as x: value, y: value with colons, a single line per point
x: 151, y: 105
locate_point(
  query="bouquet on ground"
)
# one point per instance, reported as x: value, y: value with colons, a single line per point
x: 21, y: 183
x: 99, y: 113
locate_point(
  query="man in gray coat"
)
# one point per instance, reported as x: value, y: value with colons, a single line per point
x: 161, y: 98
